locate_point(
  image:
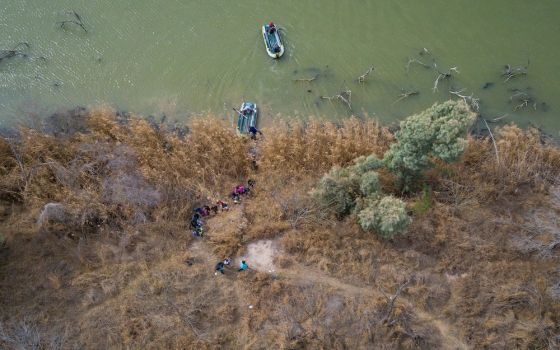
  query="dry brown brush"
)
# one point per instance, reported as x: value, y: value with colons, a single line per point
x: 113, y: 265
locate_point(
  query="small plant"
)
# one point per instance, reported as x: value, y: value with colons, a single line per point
x: 422, y: 205
x: 387, y: 217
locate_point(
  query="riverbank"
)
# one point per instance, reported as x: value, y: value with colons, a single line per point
x: 111, y: 262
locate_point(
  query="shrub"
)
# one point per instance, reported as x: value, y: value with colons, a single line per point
x: 369, y: 184
x: 387, y: 217
x: 363, y: 165
x: 435, y: 132
x: 337, y: 190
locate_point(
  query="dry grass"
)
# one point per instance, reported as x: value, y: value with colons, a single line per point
x: 112, y: 272
x: 313, y: 148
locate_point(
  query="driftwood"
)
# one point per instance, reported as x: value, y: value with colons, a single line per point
x: 470, y: 99
x: 499, y: 118
x: 510, y: 72
x: 344, y: 96
x: 443, y: 76
x: 414, y: 60
x: 523, y: 99
x: 77, y: 21
x: 406, y: 94
x: 362, y: 78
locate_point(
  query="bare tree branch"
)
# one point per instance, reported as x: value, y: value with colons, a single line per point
x: 362, y: 78
x: 470, y: 100
x: 406, y: 94
x: 344, y: 96
x: 391, y: 300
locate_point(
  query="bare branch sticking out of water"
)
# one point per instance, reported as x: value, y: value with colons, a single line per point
x: 307, y: 80
x: 406, y: 94
x: 414, y: 60
x: 443, y: 75
x: 78, y: 21
x: 472, y: 101
x: 510, y: 72
x: 499, y: 118
x: 362, y: 78
x: 523, y: 100
x: 344, y: 96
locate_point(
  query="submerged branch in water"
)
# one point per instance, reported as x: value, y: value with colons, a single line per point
x: 78, y: 21
x: 443, y: 75
x: 510, y: 72
x: 472, y: 101
x: 362, y: 78
x: 15, y: 51
x: 307, y: 80
x: 406, y: 94
x: 344, y: 96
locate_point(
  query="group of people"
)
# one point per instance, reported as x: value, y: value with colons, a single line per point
x: 240, y: 190
x: 221, y: 265
x: 197, y: 224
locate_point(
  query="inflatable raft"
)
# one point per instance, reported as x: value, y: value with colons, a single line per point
x: 247, y: 118
x: 272, y: 42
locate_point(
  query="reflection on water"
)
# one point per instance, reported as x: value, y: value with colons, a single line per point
x: 183, y: 57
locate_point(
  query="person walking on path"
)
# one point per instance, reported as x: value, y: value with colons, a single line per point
x: 243, y: 266
x: 220, y: 268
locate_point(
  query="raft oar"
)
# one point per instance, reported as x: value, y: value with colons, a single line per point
x: 238, y: 112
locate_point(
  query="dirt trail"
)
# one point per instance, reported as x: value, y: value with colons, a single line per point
x: 263, y: 253
x: 307, y: 275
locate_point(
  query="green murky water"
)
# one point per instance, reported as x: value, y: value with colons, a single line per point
x: 182, y: 57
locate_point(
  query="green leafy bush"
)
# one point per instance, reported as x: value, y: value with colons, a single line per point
x: 369, y: 184
x: 436, y: 132
x: 387, y: 217
x: 364, y: 164
x: 337, y: 191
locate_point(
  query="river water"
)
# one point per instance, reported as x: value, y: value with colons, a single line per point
x: 184, y: 57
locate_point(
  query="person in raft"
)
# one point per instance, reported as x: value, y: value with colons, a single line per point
x: 243, y: 266
x: 248, y: 110
x: 271, y: 28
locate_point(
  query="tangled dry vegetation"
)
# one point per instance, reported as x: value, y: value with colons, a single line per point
x: 95, y: 213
